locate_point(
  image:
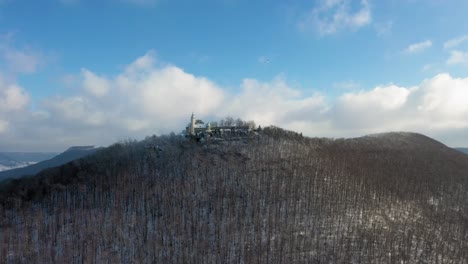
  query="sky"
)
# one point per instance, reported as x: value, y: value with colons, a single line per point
x: 82, y: 72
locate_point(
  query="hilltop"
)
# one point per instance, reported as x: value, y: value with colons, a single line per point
x: 272, y: 197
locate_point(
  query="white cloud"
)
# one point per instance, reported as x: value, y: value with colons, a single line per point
x: 13, y: 101
x: 12, y: 97
x: 18, y: 60
x: 366, y: 110
x: 445, y: 97
x: 143, y: 64
x: 22, y: 61
x: 142, y: 100
x: 385, y: 98
x: 331, y: 16
x: 146, y: 98
x: 419, y: 47
x: 458, y: 57
x: 273, y: 103
x: 76, y: 110
x: 95, y: 85
x: 167, y: 90
x: 453, y: 43
x: 436, y: 107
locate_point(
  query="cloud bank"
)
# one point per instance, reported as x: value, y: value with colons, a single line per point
x: 146, y: 99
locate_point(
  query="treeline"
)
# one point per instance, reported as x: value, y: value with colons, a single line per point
x: 230, y: 121
x: 277, y: 197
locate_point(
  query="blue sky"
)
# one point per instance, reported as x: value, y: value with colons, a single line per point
x: 311, y: 66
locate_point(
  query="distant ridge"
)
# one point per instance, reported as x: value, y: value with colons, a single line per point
x: 7, y: 161
x: 464, y: 150
x: 28, y: 156
x: 70, y: 154
x: 14, y: 160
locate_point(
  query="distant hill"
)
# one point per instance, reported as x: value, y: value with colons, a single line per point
x: 7, y: 161
x: 271, y: 197
x: 464, y: 150
x: 12, y: 160
x: 29, y: 156
x: 54, y: 160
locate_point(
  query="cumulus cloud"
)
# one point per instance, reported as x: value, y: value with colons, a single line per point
x: 418, y: 47
x: 95, y: 85
x: 150, y: 98
x: 331, y: 16
x: 22, y: 61
x: 444, y: 98
x: 12, y: 97
x: 14, y: 101
x: 167, y: 93
x: 436, y: 106
x: 75, y: 110
x: 453, y: 43
x: 18, y: 60
x: 274, y: 102
x: 142, y: 100
x: 366, y: 110
x: 458, y: 57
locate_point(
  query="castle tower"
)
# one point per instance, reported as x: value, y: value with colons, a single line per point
x: 192, y: 125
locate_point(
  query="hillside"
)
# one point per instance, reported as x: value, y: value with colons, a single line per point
x: 276, y: 197
x: 70, y: 154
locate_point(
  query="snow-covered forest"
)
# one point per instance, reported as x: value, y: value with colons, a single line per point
x: 274, y: 197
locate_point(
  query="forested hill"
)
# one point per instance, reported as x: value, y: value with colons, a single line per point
x: 275, y: 197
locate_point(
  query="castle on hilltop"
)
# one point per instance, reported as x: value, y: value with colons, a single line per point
x: 198, y: 128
